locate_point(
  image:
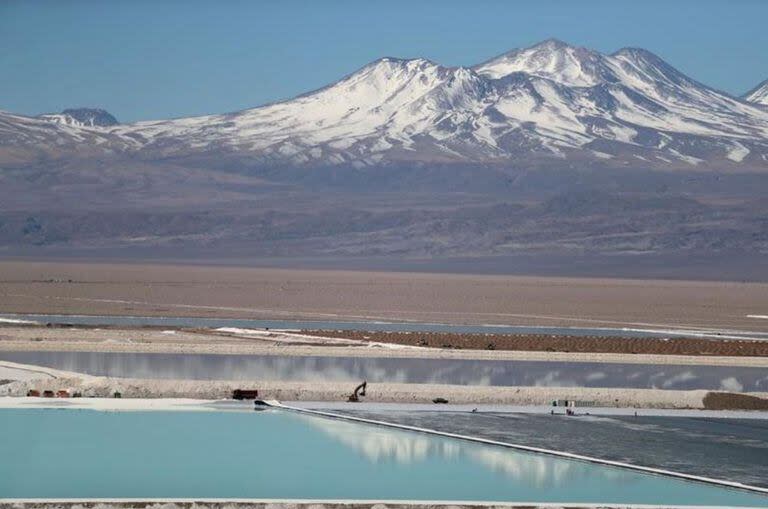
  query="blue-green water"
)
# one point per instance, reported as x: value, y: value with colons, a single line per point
x: 52, y: 453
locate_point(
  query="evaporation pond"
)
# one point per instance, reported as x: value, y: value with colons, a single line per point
x: 68, y: 453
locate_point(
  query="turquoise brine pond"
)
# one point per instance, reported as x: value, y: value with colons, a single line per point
x: 67, y: 453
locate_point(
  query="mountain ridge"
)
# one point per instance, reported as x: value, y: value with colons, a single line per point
x: 81, y: 117
x: 758, y: 95
x: 567, y: 152
x: 545, y: 103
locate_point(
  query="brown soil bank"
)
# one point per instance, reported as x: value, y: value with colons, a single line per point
x: 549, y: 343
x: 731, y: 401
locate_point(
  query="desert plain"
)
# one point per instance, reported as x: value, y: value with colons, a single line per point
x: 155, y: 289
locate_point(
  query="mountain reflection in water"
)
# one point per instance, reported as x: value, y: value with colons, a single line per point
x: 382, y: 445
x: 398, y: 370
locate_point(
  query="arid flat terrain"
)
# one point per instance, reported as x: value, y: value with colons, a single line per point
x: 237, y: 292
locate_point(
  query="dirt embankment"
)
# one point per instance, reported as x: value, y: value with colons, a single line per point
x: 551, y: 343
x: 98, y: 387
x: 731, y: 401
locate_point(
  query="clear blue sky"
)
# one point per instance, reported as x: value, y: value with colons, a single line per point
x: 145, y: 59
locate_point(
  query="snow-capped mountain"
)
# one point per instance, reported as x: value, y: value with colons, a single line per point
x: 547, y: 102
x: 759, y: 94
x: 82, y: 117
x: 31, y: 140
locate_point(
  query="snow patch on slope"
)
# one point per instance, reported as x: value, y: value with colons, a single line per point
x: 738, y: 152
x: 759, y: 94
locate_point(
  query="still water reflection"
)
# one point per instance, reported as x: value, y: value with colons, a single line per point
x: 382, y: 445
x: 273, y: 454
x: 395, y: 370
x: 172, y: 321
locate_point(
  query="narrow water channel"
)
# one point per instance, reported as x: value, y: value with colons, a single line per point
x: 159, y: 321
x: 398, y: 370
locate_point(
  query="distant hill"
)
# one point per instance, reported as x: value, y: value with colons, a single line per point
x: 541, y: 150
x: 82, y: 117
